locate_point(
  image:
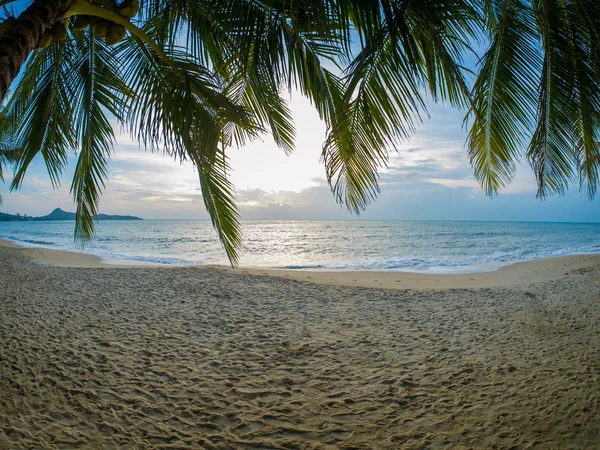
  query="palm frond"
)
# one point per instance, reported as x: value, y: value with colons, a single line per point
x: 359, y: 139
x: 551, y: 150
x: 182, y: 111
x: 305, y: 53
x: 504, y: 95
x: 259, y: 49
x: 218, y: 196
x: 583, y: 19
x: 41, y: 114
x: 270, y: 112
x: 166, y: 100
x: 97, y: 90
x: 8, y: 147
x: 8, y: 151
x: 417, y: 45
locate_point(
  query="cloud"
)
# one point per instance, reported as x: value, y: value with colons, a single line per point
x: 428, y: 178
x: 452, y: 183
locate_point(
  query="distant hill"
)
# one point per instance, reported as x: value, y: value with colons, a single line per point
x: 59, y: 214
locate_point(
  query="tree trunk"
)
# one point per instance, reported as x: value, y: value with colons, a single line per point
x: 19, y: 41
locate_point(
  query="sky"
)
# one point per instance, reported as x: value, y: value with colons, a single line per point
x: 428, y: 179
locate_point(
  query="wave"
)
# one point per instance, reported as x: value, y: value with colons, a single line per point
x: 25, y: 242
x: 402, y: 247
x: 146, y: 259
x: 592, y: 249
x: 485, y: 262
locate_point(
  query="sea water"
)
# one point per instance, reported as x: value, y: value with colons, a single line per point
x: 434, y: 246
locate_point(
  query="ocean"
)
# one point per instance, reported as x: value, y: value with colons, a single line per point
x: 431, y: 246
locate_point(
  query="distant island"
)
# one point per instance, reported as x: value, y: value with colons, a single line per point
x: 58, y: 214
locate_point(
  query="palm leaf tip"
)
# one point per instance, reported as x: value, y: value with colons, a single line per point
x: 218, y: 195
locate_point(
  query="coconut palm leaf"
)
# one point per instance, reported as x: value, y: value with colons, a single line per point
x: 306, y: 54
x: 190, y: 24
x: 414, y: 46
x: 369, y: 121
x: 260, y: 94
x: 218, y: 194
x: 181, y: 110
x: 539, y: 80
x: 504, y: 94
x: 268, y: 50
x: 551, y: 150
x: 166, y: 96
x: 8, y: 152
x: 41, y: 113
x: 97, y: 90
x: 582, y: 68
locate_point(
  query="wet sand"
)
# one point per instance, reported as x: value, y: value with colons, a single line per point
x: 518, y: 274
x: 153, y: 357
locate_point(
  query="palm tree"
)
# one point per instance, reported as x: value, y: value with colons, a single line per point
x: 193, y: 78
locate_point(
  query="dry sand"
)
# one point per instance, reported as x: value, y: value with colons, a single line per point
x: 110, y: 357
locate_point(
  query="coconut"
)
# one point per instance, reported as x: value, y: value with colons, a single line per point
x: 7, y: 25
x: 59, y: 31
x: 114, y: 34
x: 81, y: 22
x: 129, y: 8
x: 101, y: 28
x: 45, y: 40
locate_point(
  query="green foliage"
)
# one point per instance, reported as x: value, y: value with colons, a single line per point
x: 539, y: 82
x: 96, y: 90
x: 8, y: 152
x: 504, y: 94
x: 39, y: 112
x: 193, y: 78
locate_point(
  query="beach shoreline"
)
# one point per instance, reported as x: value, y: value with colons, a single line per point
x: 105, y: 356
x: 520, y: 273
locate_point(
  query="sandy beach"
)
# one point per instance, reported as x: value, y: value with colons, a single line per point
x: 100, y: 356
